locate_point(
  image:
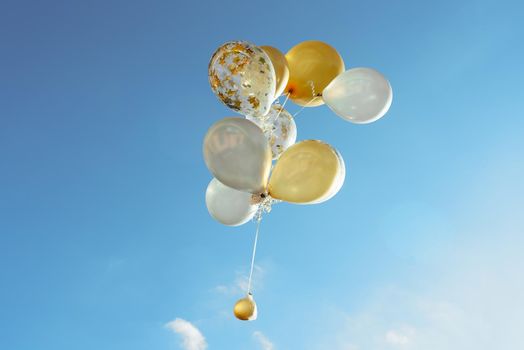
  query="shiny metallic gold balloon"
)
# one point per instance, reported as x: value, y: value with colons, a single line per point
x: 246, y: 309
x: 281, y: 68
x: 308, y: 172
x: 312, y: 66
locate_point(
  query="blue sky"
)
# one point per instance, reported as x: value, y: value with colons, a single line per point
x: 104, y: 234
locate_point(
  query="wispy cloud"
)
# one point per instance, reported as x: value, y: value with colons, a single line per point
x: 468, y: 298
x: 473, y: 303
x: 239, y: 285
x: 400, y: 337
x: 265, y: 343
x: 192, y: 338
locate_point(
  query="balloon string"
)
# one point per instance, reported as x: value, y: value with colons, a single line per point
x: 307, y: 104
x: 287, y: 98
x: 253, y: 257
x: 282, y: 106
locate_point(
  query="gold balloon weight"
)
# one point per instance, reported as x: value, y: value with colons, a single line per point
x: 246, y: 309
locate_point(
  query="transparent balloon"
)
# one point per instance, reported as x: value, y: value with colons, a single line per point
x: 280, y: 129
x: 242, y: 76
x: 281, y: 68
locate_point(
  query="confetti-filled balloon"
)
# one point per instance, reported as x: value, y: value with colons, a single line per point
x: 281, y: 68
x: 246, y: 309
x: 243, y: 78
x: 280, y: 129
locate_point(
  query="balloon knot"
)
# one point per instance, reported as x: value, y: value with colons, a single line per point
x: 264, y: 202
x: 258, y: 198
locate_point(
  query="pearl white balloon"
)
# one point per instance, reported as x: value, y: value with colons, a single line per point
x: 279, y: 127
x: 227, y: 205
x: 359, y: 95
x: 237, y: 153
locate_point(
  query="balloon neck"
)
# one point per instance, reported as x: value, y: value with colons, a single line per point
x: 259, y: 198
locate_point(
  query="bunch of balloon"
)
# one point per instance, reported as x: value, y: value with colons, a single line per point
x: 240, y: 151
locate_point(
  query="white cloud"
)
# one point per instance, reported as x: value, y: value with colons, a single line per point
x: 399, y: 337
x: 469, y: 294
x: 473, y: 302
x: 240, y: 284
x: 264, y: 342
x: 192, y: 338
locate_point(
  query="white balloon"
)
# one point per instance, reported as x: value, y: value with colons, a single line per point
x: 359, y: 95
x: 227, y: 205
x: 237, y: 153
x: 279, y: 127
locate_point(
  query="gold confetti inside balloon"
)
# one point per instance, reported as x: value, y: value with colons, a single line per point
x: 246, y: 309
x: 312, y: 66
x: 281, y: 68
x: 242, y: 76
x: 279, y: 127
x: 308, y: 172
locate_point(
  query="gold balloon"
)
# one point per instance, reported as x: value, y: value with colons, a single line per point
x: 312, y: 66
x: 306, y: 173
x: 246, y: 309
x: 281, y: 68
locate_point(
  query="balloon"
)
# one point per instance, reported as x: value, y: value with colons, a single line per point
x: 339, y: 181
x: 243, y: 78
x: 280, y: 129
x: 308, y: 172
x: 312, y: 66
x: 359, y: 95
x: 238, y: 155
x: 246, y: 309
x: 281, y: 68
x: 229, y: 206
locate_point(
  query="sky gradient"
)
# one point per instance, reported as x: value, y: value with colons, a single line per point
x: 105, y: 240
